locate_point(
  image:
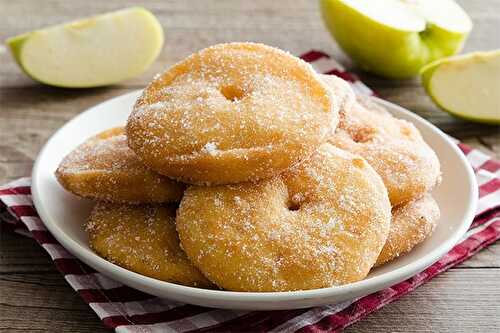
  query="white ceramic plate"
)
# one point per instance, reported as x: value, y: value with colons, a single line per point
x: 64, y: 215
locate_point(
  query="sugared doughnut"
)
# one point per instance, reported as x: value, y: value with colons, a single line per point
x: 231, y: 113
x: 322, y: 223
x: 342, y: 89
x: 142, y: 238
x: 393, y: 147
x: 105, y: 168
x: 411, y: 224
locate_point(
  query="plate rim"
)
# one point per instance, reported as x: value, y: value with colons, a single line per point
x: 374, y: 283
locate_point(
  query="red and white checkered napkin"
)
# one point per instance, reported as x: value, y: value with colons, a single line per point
x: 128, y: 310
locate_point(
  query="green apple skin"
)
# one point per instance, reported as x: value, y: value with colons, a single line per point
x: 386, y: 51
x: 426, y: 75
x: 17, y: 43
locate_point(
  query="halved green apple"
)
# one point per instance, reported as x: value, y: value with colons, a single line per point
x: 466, y: 86
x: 91, y: 52
x: 396, y: 38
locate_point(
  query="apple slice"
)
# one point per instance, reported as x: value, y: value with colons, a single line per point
x: 96, y: 51
x: 466, y: 86
x: 396, y: 38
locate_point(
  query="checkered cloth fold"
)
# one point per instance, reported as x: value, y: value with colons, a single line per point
x: 127, y: 310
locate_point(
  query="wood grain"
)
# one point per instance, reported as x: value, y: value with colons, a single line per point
x: 452, y: 302
x: 465, y: 299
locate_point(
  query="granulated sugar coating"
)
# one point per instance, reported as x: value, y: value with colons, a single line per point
x: 393, y: 147
x: 411, y: 224
x: 142, y: 238
x: 323, y: 223
x: 105, y: 168
x: 231, y: 113
x: 342, y: 89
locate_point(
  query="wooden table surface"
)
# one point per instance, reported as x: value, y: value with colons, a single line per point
x: 34, y: 296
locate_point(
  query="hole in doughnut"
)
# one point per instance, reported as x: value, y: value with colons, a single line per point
x: 293, y: 206
x: 232, y: 93
x: 363, y: 134
x: 294, y: 202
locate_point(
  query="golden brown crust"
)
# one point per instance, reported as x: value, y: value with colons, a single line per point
x: 411, y: 224
x: 393, y: 147
x: 320, y: 224
x: 104, y: 168
x: 231, y: 113
x: 142, y: 238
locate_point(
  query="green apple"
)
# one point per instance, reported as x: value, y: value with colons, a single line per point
x: 91, y: 52
x: 396, y: 38
x: 466, y: 86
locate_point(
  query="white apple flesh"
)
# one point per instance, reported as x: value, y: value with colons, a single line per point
x: 396, y: 38
x: 96, y: 51
x: 466, y: 86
